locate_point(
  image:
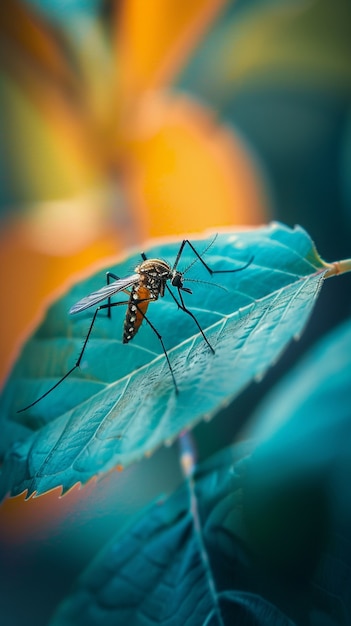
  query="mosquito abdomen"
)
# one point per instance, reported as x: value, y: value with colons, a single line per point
x: 137, y: 307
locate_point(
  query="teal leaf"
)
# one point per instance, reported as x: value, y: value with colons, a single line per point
x: 297, y: 502
x: 180, y: 563
x: 121, y: 403
x: 304, y: 424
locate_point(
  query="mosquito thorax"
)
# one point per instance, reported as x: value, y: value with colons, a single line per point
x: 154, y: 274
x: 154, y: 267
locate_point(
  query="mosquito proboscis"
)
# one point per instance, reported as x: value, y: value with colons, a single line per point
x: 150, y: 281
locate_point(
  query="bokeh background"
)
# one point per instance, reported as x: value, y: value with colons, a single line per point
x: 127, y: 120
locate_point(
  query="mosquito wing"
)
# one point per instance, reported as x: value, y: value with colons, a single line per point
x: 105, y: 292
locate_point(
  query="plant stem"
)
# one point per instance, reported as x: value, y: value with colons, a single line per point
x: 188, y: 455
x: 338, y: 267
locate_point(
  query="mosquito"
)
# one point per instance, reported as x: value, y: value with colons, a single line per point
x: 150, y: 281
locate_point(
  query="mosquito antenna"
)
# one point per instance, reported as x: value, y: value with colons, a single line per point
x: 201, y: 255
x: 204, y: 282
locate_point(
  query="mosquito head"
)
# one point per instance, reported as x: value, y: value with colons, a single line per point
x: 177, y: 282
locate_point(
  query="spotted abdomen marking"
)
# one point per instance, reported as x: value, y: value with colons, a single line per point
x: 134, y: 315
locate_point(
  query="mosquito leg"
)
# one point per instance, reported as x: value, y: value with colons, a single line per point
x: 103, y: 306
x: 181, y: 305
x: 110, y: 275
x: 161, y: 342
x: 200, y: 258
